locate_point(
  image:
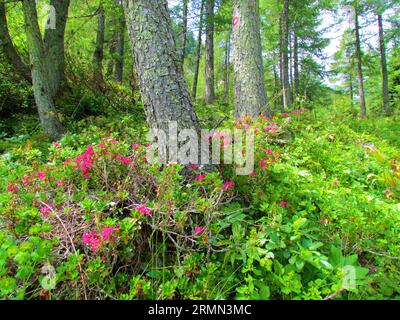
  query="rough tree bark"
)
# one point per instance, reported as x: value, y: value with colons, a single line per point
x: 250, y: 94
x: 54, y: 46
x: 209, y: 65
x: 184, y: 28
x: 385, y: 82
x: 296, y: 63
x: 41, y: 87
x: 9, y: 50
x: 198, y: 51
x: 359, y: 64
x: 227, y: 67
x: 287, y: 99
x: 98, y: 55
x: 162, y: 83
x: 120, y: 50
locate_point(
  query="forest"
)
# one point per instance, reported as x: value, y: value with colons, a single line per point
x: 199, y: 150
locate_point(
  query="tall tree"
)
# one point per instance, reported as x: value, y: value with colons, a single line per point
x: 359, y: 59
x: 250, y: 94
x: 198, y: 51
x: 157, y: 60
x: 9, y: 49
x: 98, y: 55
x: 286, y: 91
x: 40, y: 75
x: 209, y: 65
x: 184, y: 27
x: 54, y: 46
x: 385, y: 77
x: 120, y: 46
x: 227, y: 66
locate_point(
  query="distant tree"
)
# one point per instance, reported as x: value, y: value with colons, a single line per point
x: 209, y: 64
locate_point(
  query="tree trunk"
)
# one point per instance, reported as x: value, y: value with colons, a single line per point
x: 184, y: 28
x: 296, y: 64
x: 54, y: 46
x: 209, y: 67
x: 287, y: 99
x: 9, y: 50
x: 41, y: 87
x: 120, y: 51
x: 385, y: 85
x: 198, y: 51
x: 359, y: 64
x: 162, y: 83
x: 227, y: 67
x: 98, y: 56
x: 248, y: 67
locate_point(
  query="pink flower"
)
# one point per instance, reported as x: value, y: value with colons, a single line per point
x: 135, y: 146
x: 263, y: 163
x: 285, y: 115
x: 198, y: 230
x: 271, y: 128
x: 201, y: 177
x: 124, y: 160
x: 102, y: 146
x: 56, y: 145
x: 84, y: 162
x: 46, y: 210
x: 143, y: 209
x: 227, y: 185
x: 270, y: 151
x: 92, y: 239
x: 41, y: 175
x: 193, y: 166
x: 13, y: 188
x: 283, y: 204
x: 26, y: 181
x: 67, y: 161
x: 106, y: 233
x: 59, y: 184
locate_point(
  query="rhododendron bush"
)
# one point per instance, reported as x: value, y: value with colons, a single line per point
x: 110, y: 225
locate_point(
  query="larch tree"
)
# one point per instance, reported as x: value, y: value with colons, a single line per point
x: 209, y: 63
x: 250, y: 93
x: 158, y: 64
x: 54, y: 45
x: 198, y: 51
x: 40, y: 74
x: 120, y: 45
x: 286, y: 91
x: 98, y: 55
x: 184, y: 27
x: 9, y: 50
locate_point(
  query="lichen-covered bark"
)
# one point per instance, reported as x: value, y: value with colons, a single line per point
x: 158, y: 64
x: 250, y: 94
x: 54, y: 46
x: 198, y: 51
x: 359, y: 64
x: 8, y: 48
x: 41, y: 87
x: 209, y: 65
x: 184, y: 28
x: 98, y: 55
x: 120, y: 50
x: 385, y: 81
x: 287, y: 97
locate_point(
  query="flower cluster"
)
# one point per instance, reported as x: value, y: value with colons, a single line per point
x: 144, y: 210
x: 84, y: 162
x: 95, y: 239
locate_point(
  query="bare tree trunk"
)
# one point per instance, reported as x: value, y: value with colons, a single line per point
x: 54, y: 46
x: 98, y: 55
x: 157, y: 60
x: 385, y: 85
x: 359, y: 64
x: 198, y: 51
x: 296, y: 64
x: 209, y: 67
x: 227, y: 67
x: 120, y: 51
x: 184, y: 28
x: 287, y: 99
x: 9, y: 50
x: 40, y: 78
x: 250, y: 94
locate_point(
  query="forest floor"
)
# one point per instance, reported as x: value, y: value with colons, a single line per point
x: 320, y: 215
